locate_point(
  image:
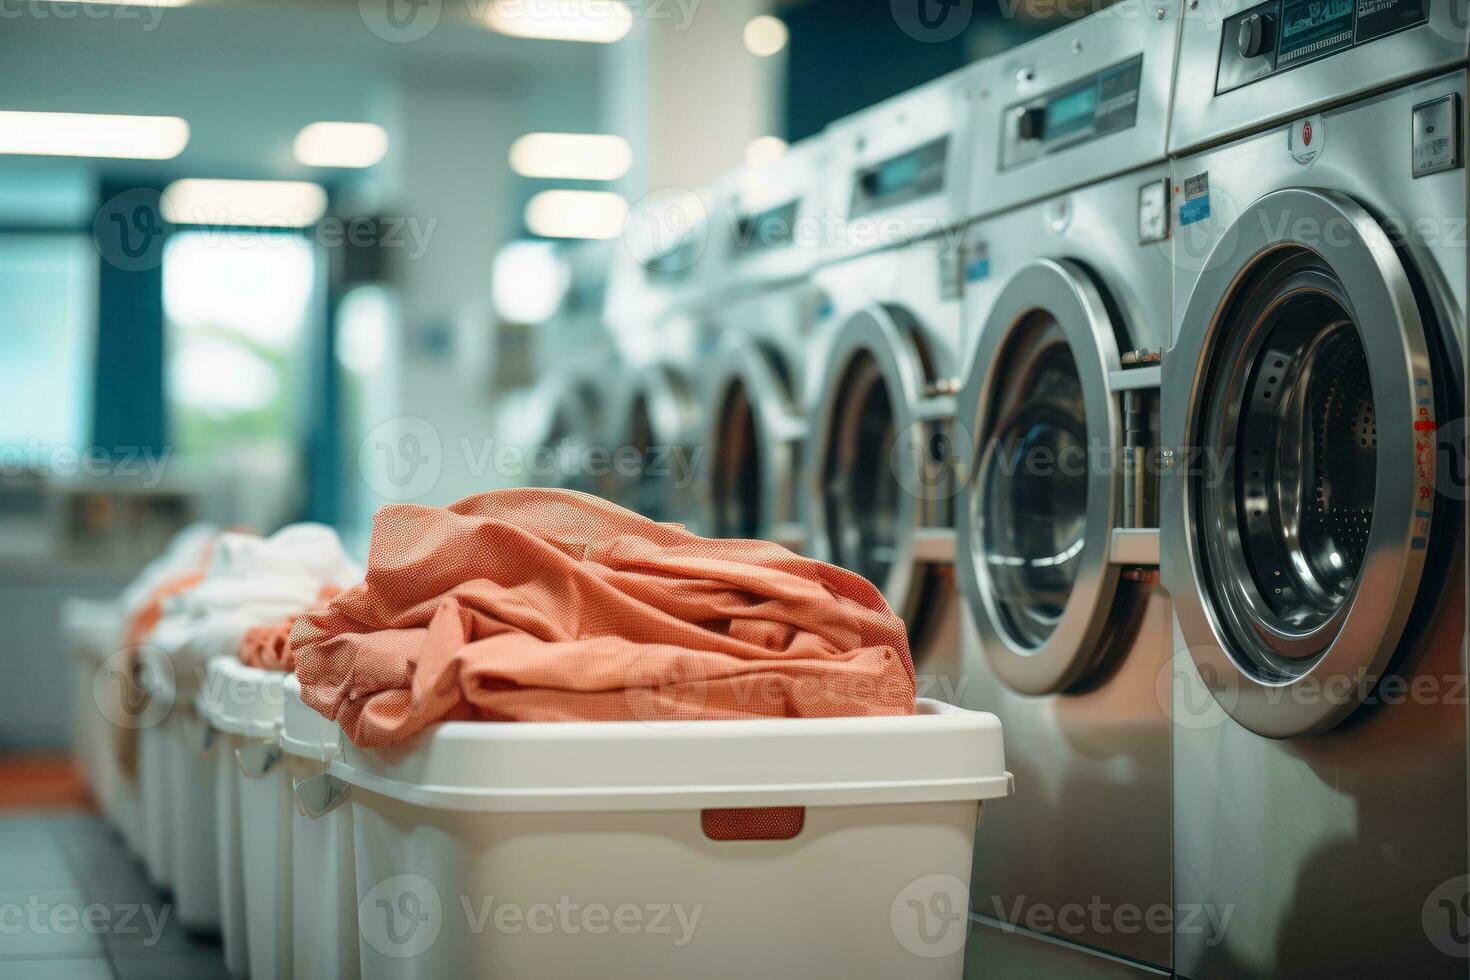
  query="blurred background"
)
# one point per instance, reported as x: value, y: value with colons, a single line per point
x: 236, y: 237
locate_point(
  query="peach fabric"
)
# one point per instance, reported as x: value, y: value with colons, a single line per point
x: 269, y: 647
x: 551, y: 605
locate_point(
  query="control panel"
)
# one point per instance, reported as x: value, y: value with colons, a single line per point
x: 770, y: 229
x: 1104, y: 103
x: 1283, y: 34
x: 907, y: 177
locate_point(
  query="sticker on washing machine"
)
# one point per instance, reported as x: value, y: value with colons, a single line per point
x: 977, y: 262
x: 1194, y: 206
x: 1426, y: 446
x: 951, y: 270
x: 1307, y: 138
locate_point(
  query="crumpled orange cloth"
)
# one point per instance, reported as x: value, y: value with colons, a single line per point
x: 269, y: 647
x: 551, y: 605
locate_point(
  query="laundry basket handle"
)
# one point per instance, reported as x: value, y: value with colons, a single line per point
x: 317, y: 796
x: 257, y: 759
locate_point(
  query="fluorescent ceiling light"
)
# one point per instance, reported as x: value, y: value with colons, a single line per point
x: 765, y: 35
x: 85, y: 134
x: 764, y: 151
x: 576, y: 214
x: 527, y: 281
x: 250, y: 203
x: 340, y: 144
x: 593, y: 21
x: 571, y: 156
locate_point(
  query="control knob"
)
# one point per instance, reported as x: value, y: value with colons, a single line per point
x: 1257, y: 34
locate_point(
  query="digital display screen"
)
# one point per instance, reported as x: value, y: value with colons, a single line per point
x: 1314, y: 27
x: 906, y: 177
x: 775, y: 228
x: 1071, y: 113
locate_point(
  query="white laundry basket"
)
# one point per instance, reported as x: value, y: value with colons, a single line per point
x: 245, y: 704
x: 788, y: 848
x: 323, y: 877
x: 157, y: 739
x: 89, y: 628
x: 195, y: 829
x: 93, y: 629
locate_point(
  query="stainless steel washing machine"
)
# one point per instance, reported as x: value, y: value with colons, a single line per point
x: 883, y: 380
x: 666, y: 338
x: 1067, y: 628
x: 755, y: 412
x: 578, y: 365
x: 1313, y: 509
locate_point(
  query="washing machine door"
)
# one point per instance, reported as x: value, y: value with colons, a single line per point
x: 575, y: 412
x: 1300, y: 501
x: 754, y: 440
x: 655, y: 464
x: 1035, y: 518
x: 882, y: 470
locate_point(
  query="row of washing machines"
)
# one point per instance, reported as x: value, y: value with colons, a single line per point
x: 1131, y: 366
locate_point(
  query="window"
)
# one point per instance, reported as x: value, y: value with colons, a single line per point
x: 237, y: 307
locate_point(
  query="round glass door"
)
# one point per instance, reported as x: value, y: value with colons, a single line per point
x: 1297, y: 530
x: 754, y: 440
x: 657, y: 428
x: 872, y: 509
x: 1036, y: 516
x: 1033, y: 503
x: 1290, y: 405
x: 738, y: 479
x: 860, y: 493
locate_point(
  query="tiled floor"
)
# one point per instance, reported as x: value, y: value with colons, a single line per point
x: 74, y: 905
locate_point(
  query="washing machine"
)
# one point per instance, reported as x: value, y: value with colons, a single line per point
x: 1313, y: 506
x: 666, y: 323
x: 1066, y: 628
x: 882, y: 384
x: 578, y: 366
x: 755, y: 412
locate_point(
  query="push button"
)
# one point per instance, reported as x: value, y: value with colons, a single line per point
x: 1031, y: 124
